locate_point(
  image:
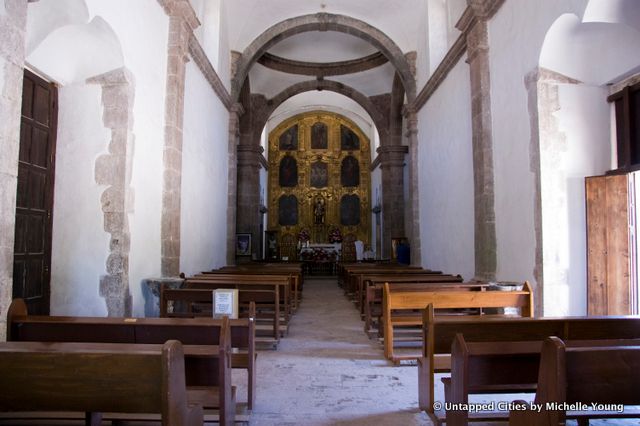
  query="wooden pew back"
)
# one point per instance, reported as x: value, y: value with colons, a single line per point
x: 462, y: 297
x: 608, y: 375
x: 60, y: 377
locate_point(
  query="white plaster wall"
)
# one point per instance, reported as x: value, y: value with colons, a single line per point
x: 516, y: 34
x: 446, y: 177
x: 144, y: 49
x: 79, y: 244
x: 583, y: 118
x: 203, y: 230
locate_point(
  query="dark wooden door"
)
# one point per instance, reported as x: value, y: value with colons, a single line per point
x: 34, y: 204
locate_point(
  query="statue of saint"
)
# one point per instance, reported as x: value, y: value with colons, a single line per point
x: 318, y: 211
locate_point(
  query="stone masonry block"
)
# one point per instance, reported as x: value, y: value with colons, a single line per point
x: 112, y: 200
x: 114, y: 222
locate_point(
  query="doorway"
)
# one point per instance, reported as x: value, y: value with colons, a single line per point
x: 34, y: 199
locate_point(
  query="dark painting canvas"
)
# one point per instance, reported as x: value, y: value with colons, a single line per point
x: 288, y: 210
x: 319, y: 136
x: 288, y: 172
x: 289, y: 139
x: 319, y: 175
x: 350, y: 210
x: 348, y: 140
x: 350, y: 172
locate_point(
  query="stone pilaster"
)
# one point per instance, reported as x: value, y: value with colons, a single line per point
x: 182, y: 22
x: 249, y: 165
x: 413, y: 225
x: 114, y: 171
x: 475, y: 26
x: 234, y: 136
x: 13, y: 21
x: 393, y: 206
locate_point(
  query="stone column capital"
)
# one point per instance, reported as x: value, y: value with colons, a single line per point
x: 392, y: 156
x: 250, y: 156
x: 181, y: 9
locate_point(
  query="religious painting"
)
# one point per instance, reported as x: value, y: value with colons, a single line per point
x: 350, y: 172
x: 348, y: 139
x: 288, y: 172
x: 319, y: 136
x: 350, y: 210
x: 289, y: 139
x: 288, y: 210
x: 243, y: 244
x: 319, y: 175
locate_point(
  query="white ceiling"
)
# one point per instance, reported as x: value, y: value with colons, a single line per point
x: 327, y: 46
x: 399, y: 19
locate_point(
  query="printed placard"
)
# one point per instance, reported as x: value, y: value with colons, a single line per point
x: 225, y: 303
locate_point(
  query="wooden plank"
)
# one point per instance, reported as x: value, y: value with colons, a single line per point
x: 595, y: 188
x: 618, y: 283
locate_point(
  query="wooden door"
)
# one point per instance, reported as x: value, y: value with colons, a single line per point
x: 610, y: 284
x: 34, y: 203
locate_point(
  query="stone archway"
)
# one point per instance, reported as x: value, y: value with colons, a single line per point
x: 323, y: 22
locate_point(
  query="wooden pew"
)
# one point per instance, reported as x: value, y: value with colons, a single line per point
x: 371, y: 305
x: 119, y: 378
x: 498, y: 367
x: 577, y: 376
x: 206, y: 376
x: 440, y: 331
x: 364, y: 280
x: 353, y: 271
x: 294, y: 270
x: 271, y: 305
x: 242, y: 330
x: 463, y: 297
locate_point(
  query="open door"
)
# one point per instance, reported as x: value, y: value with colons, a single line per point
x: 611, y: 245
x: 34, y: 204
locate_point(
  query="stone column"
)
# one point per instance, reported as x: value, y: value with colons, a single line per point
x: 182, y: 22
x: 393, y: 206
x: 13, y: 21
x: 413, y: 225
x: 114, y: 171
x: 234, y: 136
x: 474, y: 24
x: 249, y: 193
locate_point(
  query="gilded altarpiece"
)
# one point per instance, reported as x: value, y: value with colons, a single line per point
x: 319, y: 180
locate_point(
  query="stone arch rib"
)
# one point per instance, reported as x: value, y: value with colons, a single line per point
x: 332, y: 86
x: 324, y: 22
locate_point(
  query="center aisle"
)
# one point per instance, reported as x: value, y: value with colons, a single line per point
x: 326, y: 371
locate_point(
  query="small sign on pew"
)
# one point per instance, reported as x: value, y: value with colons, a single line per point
x: 225, y: 303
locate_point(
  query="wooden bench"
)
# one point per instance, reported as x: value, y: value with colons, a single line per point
x: 210, y: 375
x: 294, y: 276
x: 399, y: 299
x: 294, y: 270
x: 120, y: 378
x: 577, y: 377
x: 504, y: 367
x: 352, y: 272
x: 242, y: 330
x: 440, y: 331
x: 270, y: 297
x: 371, y: 306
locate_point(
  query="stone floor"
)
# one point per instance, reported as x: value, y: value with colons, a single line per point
x: 327, y: 372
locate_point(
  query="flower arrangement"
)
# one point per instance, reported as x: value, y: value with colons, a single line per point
x: 335, y: 236
x: 304, y: 236
x: 318, y: 255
